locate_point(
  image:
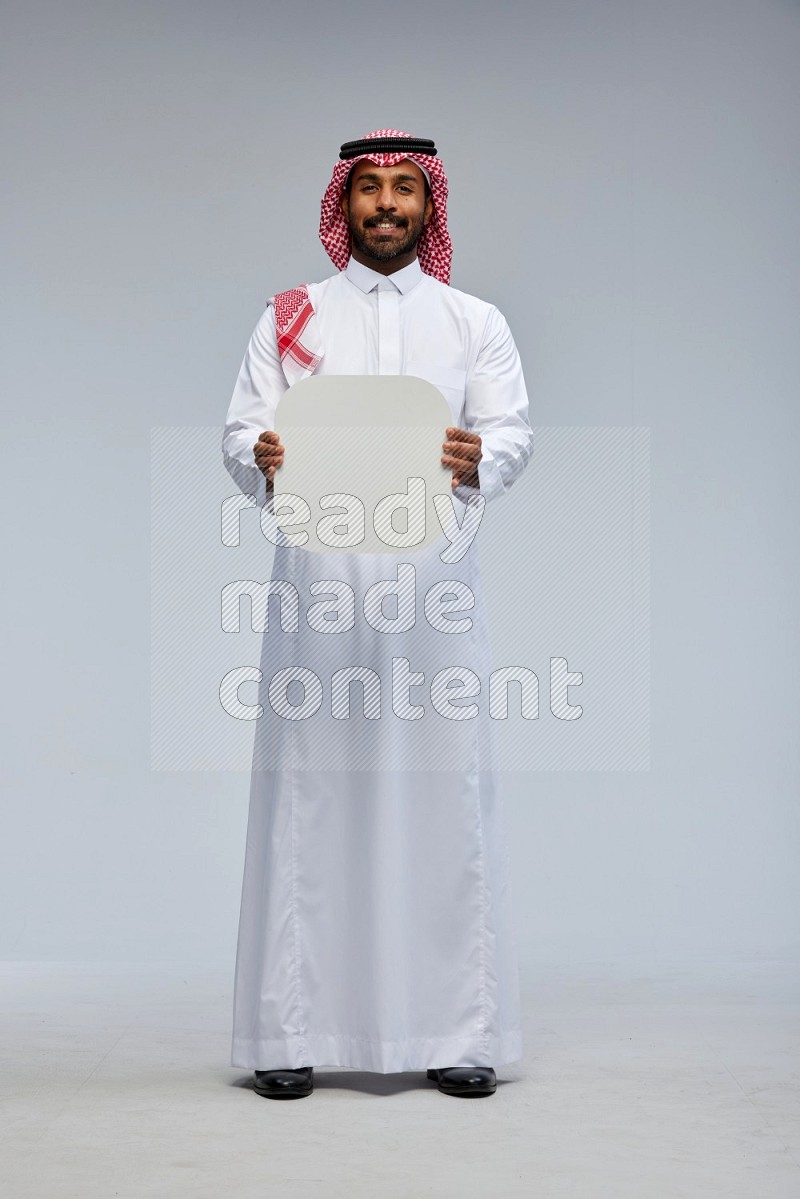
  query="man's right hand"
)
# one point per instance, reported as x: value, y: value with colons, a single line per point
x: 269, y: 456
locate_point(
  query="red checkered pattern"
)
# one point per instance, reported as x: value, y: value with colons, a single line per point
x: 293, y: 311
x: 434, y: 248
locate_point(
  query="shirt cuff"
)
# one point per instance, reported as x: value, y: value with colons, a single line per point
x: 249, y: 479
x: 489, y: 478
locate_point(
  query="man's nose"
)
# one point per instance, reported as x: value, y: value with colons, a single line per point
x: 386, y: 200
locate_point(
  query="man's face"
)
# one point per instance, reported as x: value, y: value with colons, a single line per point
x: 386, y: 211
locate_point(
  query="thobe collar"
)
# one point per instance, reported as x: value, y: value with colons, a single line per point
x: 367, y: 280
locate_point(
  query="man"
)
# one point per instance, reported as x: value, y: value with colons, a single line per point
x: 375, y: 929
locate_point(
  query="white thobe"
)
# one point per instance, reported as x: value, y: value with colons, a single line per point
x: 376, y: 927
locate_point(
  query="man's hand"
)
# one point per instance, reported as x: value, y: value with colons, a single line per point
x: 462, y: 452
x: 269, y: 456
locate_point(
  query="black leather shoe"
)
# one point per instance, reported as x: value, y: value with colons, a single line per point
x: 284, y: 1084
x: 465, y: 1080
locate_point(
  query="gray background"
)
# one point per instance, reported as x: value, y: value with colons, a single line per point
x: 624, y: 186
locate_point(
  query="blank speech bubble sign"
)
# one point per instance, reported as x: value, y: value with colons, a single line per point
x: 352, y: 443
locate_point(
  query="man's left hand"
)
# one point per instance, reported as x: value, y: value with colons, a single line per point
x: 462, y: 452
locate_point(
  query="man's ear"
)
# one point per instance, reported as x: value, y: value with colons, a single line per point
x: 428, y: 209
x: 344, y: 204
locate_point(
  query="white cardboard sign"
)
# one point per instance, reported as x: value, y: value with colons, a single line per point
x: 363, y: 452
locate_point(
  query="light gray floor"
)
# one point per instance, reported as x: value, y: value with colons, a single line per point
x: 665, y: 1082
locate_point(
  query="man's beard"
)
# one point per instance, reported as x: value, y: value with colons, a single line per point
x: 383, y: 249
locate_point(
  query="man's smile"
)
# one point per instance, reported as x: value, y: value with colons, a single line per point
x: 385, y: 226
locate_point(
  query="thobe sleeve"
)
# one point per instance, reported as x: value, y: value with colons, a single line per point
x: 496, y: 407
x: 259, y: 386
